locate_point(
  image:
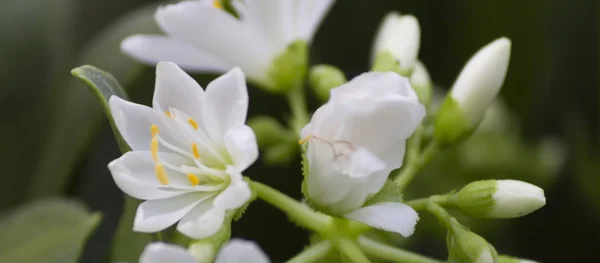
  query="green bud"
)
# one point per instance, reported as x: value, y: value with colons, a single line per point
x: 269, y: 131
x: 465, y: 246
x: 323, y: 78
x: 385, y: 61
x: 282, y: 153
x: 507, y: 259
x: 421, y: 83
x: 205, y: 250
x: 288, y: 69
x: 499, y: 198
x: 451, y: 125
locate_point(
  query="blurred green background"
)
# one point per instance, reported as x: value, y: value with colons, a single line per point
x: 57, y: 142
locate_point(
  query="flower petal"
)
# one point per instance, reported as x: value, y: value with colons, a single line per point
x: 156, y: 215
x: 163, y: 252
x: 226, y: 103
x: 151, y: 49
x: 239, y: 250
x: 176, y: 89
x: 236, y: 194
x: 203, y: 221
x: 388, y: 216
x: 310, y: 15
x: 240, y: 142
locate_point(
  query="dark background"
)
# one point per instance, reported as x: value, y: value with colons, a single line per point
x: 56, y: 141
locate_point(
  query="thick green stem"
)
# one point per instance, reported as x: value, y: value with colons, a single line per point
x: 297, y: 100
x: 298, y: 212
x: 412, y: 167
x: 438, y: 211
x: 421, y: 203
x: 390, y: 253
x: 312, y: 253
x: 352, y: 251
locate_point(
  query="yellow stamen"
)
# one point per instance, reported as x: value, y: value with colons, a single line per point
x: 305, y: 139
x: 195, y: 151
x: 154, y: 149
x: 193, y: 179
x: 154, y: 130
x: 161, y: 174
x: 217, y: 4
x: 193, y: 123
x: 168, y: 113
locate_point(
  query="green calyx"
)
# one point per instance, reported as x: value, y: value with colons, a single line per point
x: 476, y: 199
x: 201, y: 249
x: 424, y: 92
x: 289, y: 68
x: 385, y: 61
x: 323, y: 78
x: 451, y: 125
x: 465, y: 246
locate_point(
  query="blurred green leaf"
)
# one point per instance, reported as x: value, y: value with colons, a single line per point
x: 128, y: 245
x: 51, y: 231
x: 103, y: 85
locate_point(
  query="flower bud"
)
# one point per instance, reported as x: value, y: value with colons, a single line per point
x: 421, y: 83
x: 465, y: 246
x: 499, y: 198
x: 323, y: 78
x: 476, y: 87
x: 269, y: 131
x: 397, y: 44
x: 507, y: 259
x: 288, y: 69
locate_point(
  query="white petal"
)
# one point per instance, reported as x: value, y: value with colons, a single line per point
x: 156, y: 215
x: 241, y: 145
x: 238, y: 250
x: 176, y: 89
x: 151, y: 49
x: 162, y: 253
x: 275, y: 19
x: 227, y: 103
x: 134, y: 174
x: 203, y: 221
x: 236, y: 194
x: 134, y: 122
x: 310, y: 15
x: 389, y: 216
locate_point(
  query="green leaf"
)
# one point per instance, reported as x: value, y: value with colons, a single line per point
x: 49, y: 231
x: 128, y: 245
x: 103, y: 85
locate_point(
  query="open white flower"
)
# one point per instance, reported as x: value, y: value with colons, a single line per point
x: 236, y: 250
x: 201, y: 36
x: 188, y: 152
x: 354, y: 141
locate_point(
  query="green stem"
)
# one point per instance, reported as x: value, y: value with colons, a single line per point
x: 390, y: 253
x: 352, y: 251
x: 421, y: 203
x: 297, y: 211
x: 408, y: 173
x: 297, y: 100
x: 438, y: 211
x: 312, y: 253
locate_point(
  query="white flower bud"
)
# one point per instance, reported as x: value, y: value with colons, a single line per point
x: 421, y: 83
x: 499, y: 198
x: 400, y: 37
x: 465, y: 246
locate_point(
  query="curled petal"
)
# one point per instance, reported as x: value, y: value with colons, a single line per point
x: 162, y: 252
x: 389, y: 216
x: 239, y: 250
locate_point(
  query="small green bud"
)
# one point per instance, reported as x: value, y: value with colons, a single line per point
x: 282, y: 153
x: 421, y: 83
x: 289, y: 69
x: 385, y: 61
x: 507, y: 259
x: 323, y: 78
x: 465, y: 246
x: 269, y: 131
x: 499, y: 198
x: 451, y: 125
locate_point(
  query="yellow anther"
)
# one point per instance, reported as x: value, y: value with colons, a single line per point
x: 168, y: 113
x: 154, y: 149
x: 195, y: 151
x: 193, y: 179
x: 161, y: 174
x: 305, y: 139
x: 193, y: 123
x: 217, y: 4
x: 154, y: 130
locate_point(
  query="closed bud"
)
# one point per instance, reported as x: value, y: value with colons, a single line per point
x: 499, y: 198
x: 323, y: 78
x: 269, y: 131
x: 288, y: 69
x: 507, y: 259
x: 421, y: 83
x: 397, y: 44
x: 465, y: 246
x: 474, y: 90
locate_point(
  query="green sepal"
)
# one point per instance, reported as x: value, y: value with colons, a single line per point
x: 476, y: 199
x: 424, y: 93
x: 388, y: 193
x: 465, y: 246
x: 385, y: 61
x: 289, y: 68
x: 52, y: 231
x: 451, y: 125
x: 103, y: 85
x: 323, y: 78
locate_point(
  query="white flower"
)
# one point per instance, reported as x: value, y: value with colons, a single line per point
x: 188, y: 152
x: 202, y: 37
x: 401, y: 36
x: 236, y: 250
x: 354, y: 141
x: 481, y: 79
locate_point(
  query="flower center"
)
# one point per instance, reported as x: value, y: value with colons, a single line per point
x: 217, y: 4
